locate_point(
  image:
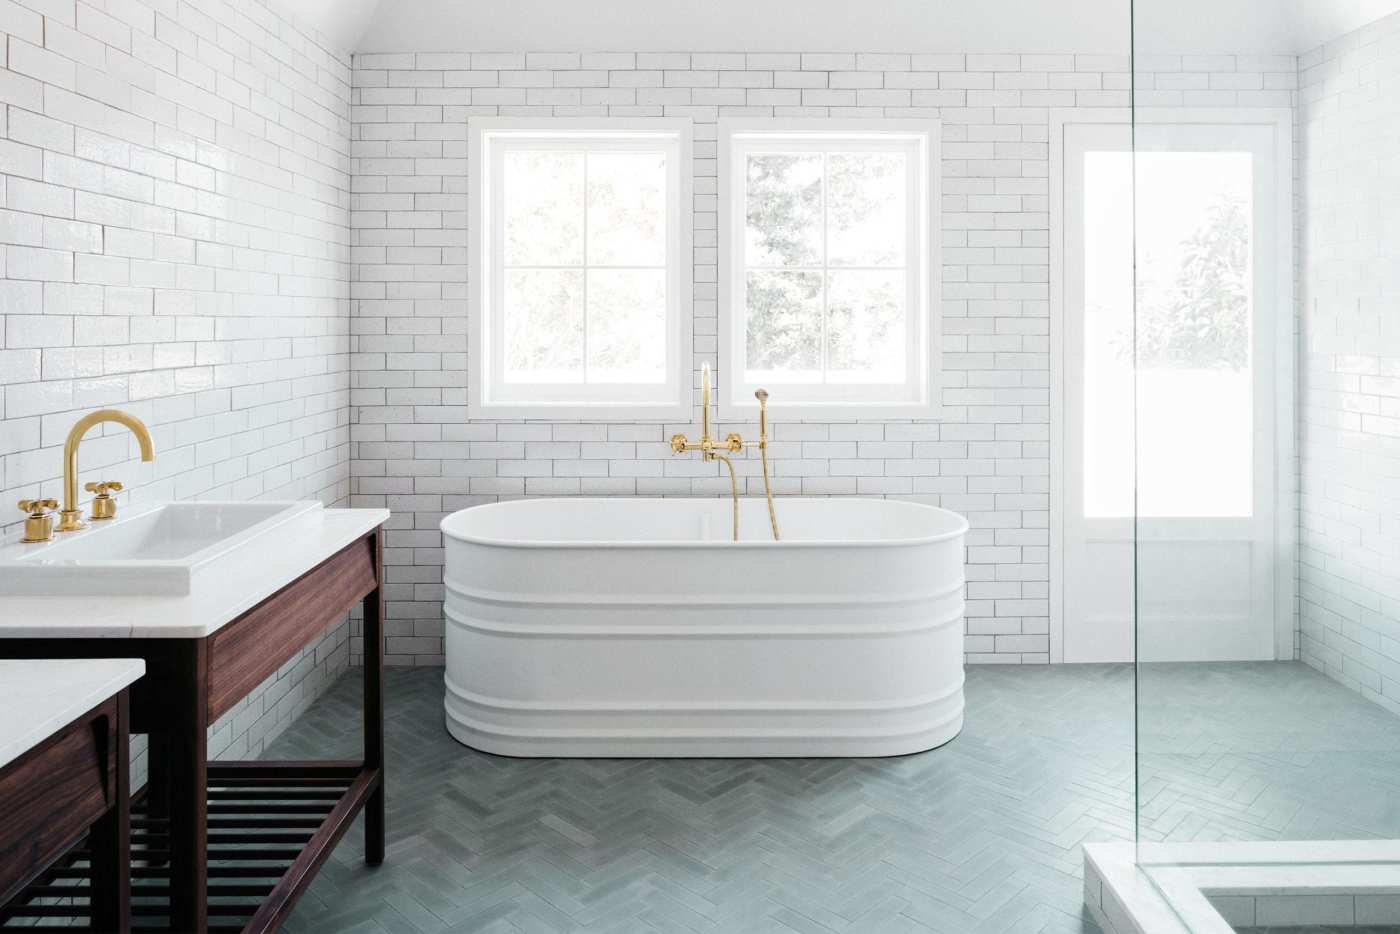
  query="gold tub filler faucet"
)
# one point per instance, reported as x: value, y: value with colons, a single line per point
x: 711, y: 449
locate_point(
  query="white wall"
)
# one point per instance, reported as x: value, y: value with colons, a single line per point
x: 174, y: 194
x: 1349, y: 575
x: 176, y: 230
x: 416, y: 453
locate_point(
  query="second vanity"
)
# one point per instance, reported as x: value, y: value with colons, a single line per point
x: 214, y: 598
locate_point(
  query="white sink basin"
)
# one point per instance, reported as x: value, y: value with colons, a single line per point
x: 158, y: 551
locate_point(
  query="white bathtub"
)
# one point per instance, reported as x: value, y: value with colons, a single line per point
x: 635, y: 627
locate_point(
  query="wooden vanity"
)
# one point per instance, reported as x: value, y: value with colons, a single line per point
x: 230, y: 846
x: 63, y: 786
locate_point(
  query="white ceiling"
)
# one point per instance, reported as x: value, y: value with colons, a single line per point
x: 1241, y: 26
x: 343, y: 22
x: 1319, y: 21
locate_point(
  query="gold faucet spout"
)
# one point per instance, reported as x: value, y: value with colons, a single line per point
x: 733, y: 492
x: 69, y: 518
x: 705, y: 402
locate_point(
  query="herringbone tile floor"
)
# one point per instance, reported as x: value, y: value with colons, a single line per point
x: 1264, y: 751
x: 982, y: 835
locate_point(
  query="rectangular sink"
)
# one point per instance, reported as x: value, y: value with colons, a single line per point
x: 155, y: 552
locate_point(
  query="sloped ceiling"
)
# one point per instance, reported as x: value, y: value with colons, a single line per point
x: 343, y: 22
x: 1244, y: 26
x: 1319, y: 21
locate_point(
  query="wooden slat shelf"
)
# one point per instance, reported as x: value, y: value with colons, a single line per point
x: 260, y: 872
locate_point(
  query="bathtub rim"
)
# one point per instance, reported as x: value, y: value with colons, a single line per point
x: 961, y: 527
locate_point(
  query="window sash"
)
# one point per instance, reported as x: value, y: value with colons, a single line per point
x: 565, y: 396
x: 831, y: 393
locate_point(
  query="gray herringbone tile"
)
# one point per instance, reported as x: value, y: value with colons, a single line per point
x: 1243, y: 752
x: 982, y: 835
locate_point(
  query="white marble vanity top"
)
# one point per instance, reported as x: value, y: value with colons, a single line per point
x: 39, y: 697
x: 248, y: 575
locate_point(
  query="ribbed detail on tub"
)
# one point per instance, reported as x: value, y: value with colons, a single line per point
x: 676, y: 729
x: 835, y: 648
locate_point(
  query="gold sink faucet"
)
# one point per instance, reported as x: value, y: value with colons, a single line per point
x: 38, y: 522
x: 70, y: 518
x: 710, y: 448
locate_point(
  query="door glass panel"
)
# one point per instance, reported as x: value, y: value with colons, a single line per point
x: 1108, y: 334
x: 1193, y: 246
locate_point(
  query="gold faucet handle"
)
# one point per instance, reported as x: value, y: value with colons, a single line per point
x: 38, y: 527
x: 103, y: 506
x: 734, y: 442
x: 679, y: 443
x: 38, y: 508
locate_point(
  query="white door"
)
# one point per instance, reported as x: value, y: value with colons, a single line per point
x: 1170, y: 467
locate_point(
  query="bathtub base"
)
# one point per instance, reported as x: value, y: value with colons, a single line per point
x: 747, y: 734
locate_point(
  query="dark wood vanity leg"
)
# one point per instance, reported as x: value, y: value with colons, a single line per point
x: 188, y: 789
x: 374, y: 705
x: 158, y: 787
x: 110, y: 840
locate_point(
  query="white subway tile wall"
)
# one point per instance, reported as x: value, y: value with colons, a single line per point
x: 174, y: 241
x: 988, y: 457
x: 1349, y: 410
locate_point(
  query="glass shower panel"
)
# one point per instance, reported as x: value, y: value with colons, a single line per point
x: 1265, y: 413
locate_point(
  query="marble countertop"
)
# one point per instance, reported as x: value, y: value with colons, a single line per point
x: 39, y: 697
x: 255, y: 572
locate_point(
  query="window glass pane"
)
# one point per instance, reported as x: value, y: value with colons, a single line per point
x: 544, y: 325
x: 784, y: 323
x: 543, y: 208
x: 626, y: 325
x: 867, y: 199
x: 627, y: 209
x: 865, y: 326
x: 783, y: 209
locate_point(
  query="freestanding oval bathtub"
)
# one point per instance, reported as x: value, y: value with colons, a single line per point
x: 636, y: 627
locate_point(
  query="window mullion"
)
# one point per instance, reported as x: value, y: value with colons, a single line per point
x: 826, y: 264
x: 585, y: 268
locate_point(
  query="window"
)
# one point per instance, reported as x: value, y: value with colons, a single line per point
x: 581, y: 268
x: 828, y: 266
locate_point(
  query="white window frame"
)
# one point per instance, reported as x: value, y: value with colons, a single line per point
x: 489, y: 396
x: 920, y: 391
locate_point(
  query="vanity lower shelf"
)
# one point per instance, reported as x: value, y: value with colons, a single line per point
x: 270, y: 827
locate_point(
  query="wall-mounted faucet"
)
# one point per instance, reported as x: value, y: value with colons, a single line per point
x: 710, y: 448
x: 707, y: 445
